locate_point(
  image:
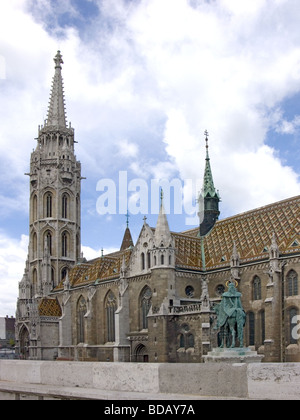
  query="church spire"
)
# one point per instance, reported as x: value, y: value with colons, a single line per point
x: 163, y: 236
x: 56, y: 111
x: 208, y: 189
x: 209, y: 198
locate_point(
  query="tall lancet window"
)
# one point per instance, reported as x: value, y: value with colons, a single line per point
x: 110, y: 309
x: 145, y: 304
x: 292, y: 283
x: 256, y: 288
x: 49, y: 205
x: 49, y: 241
x: 64, y: 244
x: 64, y: 205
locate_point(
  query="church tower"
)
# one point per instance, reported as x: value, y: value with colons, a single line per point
x: 55, y: 187
x: 209, y: 198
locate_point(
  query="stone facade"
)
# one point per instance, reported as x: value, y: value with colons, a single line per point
x: 151, y: 301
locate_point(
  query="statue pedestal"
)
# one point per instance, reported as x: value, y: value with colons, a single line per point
x: 235, y: 355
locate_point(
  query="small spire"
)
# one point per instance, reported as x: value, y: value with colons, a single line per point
x: 208, y: 182
x: 56, y: 112
x: 127, y: 218
x: 127, y: 240
x: 162, y: 230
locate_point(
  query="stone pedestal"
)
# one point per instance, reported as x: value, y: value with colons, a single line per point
x: 235, y: 355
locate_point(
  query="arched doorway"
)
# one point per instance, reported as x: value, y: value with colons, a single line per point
x: 24, y: 343
x: 141, y: 354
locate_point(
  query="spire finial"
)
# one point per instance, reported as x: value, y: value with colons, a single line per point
x: 206, y: 139
x: 127, y: 218
x: 161, y: 196
x: 58, y: 60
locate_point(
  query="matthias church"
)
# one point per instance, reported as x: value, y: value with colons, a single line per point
x: 152, y: 301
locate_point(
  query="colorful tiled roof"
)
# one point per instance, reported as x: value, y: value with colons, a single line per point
x: 50, y: 308
x: 103, y: 268
x: 251, y: 231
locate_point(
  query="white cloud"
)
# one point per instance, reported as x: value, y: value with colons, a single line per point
x: 90, y: 253
x: 224, y: 67
x: 288, y: 127
x: 127, y: 149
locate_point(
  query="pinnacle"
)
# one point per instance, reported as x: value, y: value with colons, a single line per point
x: 56, y: 111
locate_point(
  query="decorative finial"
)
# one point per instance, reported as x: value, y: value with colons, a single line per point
x: 206, y: 138
x: 161, y: 195
x: 127, y: 218
x: 58, y: 60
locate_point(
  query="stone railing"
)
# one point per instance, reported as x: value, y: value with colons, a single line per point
x: 184, y: 309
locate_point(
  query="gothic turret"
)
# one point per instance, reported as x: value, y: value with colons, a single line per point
x: 209, y: 198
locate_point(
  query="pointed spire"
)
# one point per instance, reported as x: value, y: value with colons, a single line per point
x: 163, y: 236
x: 209, y: 198
x: 208, y: 189
x: 127, y: 240
x: 56, y: 111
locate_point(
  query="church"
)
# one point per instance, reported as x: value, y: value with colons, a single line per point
x: 152, y: 301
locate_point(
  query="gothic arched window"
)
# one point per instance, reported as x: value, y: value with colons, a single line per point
x: 64, y: 244
x: 292, y: 283
x: 145, y: 304
x: 256, y: 288
x: 190, y: 341
x: 142, y: 261
x: 49, y: 241
x: 34, y: 282
x: 34, y: 245
x: 64, y: 272
x: 81, y: 311
x: 34, y: 208
x: 181, y: 341
x: 110, y: 309
x: 64, y: 206
x: 49, y: 205
x: 148, y: 260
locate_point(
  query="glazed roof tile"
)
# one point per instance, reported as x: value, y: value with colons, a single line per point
x: 49, y: 307
x: 252, y: 233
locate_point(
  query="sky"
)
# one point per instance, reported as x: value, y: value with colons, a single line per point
x: 143, y: 80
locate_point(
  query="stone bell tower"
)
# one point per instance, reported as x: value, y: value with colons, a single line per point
x: 55, y: 187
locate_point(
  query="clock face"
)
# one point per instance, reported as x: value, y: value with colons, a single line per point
x: 189, y: 291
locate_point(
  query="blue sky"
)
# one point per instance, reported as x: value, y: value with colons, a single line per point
x: 143, y: 80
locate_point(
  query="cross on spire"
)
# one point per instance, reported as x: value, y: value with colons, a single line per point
x: 206, y: 138
x: 161, y: 196
x: 127, y: 218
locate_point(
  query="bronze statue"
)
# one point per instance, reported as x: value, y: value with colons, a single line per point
x: 231, y: 317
